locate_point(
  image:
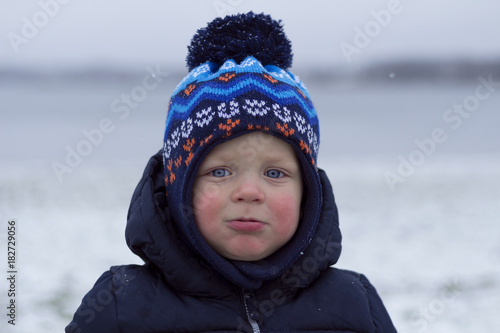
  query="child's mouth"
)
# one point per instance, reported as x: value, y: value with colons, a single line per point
x: 246, y: 224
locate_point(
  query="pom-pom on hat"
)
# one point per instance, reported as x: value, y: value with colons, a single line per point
x: 236, y: 37
x: 239, y: 83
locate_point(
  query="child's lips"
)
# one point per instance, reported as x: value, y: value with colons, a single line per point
x: 246, y: 224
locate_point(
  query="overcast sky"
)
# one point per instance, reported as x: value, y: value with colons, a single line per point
x: 61, y: 33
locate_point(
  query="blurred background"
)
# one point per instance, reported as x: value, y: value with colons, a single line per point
x: 408, y: 95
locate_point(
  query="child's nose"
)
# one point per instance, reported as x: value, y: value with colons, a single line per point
x: 248, y: 190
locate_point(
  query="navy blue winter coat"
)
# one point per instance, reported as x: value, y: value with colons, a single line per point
x: 176, y: 291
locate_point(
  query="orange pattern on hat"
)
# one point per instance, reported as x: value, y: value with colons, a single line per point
x: 284, y: 129
x: 226, y: 77
x: 178, y: 161
x: 189, y: 158
x: 229, y: 124
x: 270, y: 78
x: 305, y: 147
x: 172, y: 175
x: 189, y: 89
x: 189, y: 144
x: 258, y: 127
x: 205, y: 141
x: 302, y: 93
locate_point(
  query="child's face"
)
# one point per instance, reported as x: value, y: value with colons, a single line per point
x: 247, y: 196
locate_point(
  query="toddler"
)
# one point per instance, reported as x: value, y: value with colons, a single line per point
x: 236, y: 224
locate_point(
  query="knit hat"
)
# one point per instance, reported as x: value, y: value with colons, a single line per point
x: 239, y: 83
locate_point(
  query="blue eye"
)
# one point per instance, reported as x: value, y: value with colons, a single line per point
x: 273, y: 173
x: 220, y: 173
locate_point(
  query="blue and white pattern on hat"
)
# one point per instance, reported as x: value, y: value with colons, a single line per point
x: 208, y: 106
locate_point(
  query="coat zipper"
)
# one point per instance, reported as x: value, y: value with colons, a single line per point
x: 253, y: 323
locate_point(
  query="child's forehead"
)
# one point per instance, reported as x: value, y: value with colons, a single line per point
x: 253, y: 144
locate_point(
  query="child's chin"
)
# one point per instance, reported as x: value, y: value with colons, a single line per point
x: 246, y: 256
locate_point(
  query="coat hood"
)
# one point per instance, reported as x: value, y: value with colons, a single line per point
x: 152, y: 235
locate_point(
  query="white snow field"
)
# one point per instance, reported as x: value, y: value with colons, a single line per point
x: 430, y: 243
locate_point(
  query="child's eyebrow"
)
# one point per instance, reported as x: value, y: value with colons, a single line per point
x: 223, y: 157
x: 277, y: 157
x: 278, y: 154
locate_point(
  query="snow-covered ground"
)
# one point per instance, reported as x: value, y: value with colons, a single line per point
x: 430, y: 244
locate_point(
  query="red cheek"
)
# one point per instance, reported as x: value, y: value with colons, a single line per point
x: 287, y: 211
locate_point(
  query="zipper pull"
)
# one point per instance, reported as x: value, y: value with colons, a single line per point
x: 254, y: 317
